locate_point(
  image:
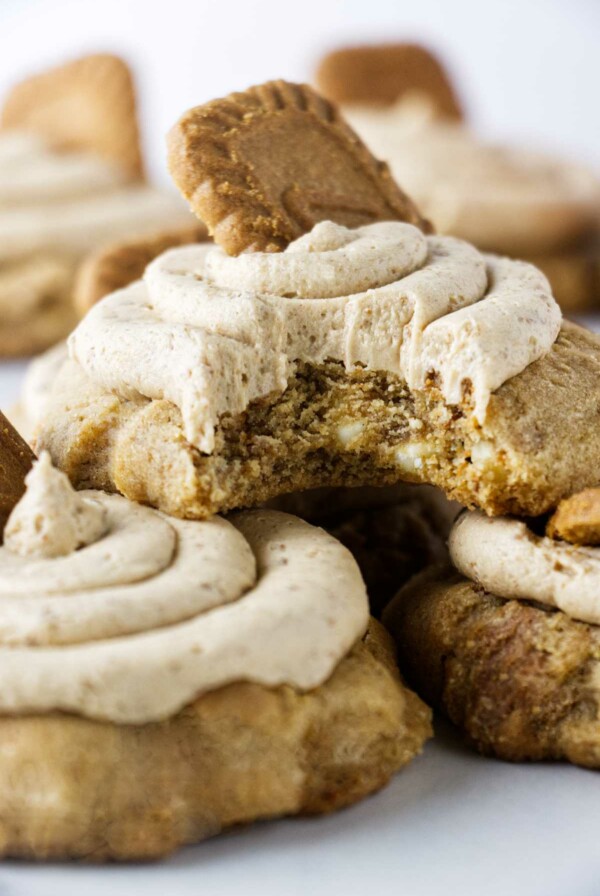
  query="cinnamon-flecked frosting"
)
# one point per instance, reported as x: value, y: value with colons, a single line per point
x: 502, y: 199
x: 115, y: 611
x: 507, y: 558
x: 211, y: 333
x: 68, y: 202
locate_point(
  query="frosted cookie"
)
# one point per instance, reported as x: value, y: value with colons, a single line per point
x: 206, y: 386
x: 167, y: 679
x: 507, y: 643
x: 393, y: 533
x: 70, y: 180
x: 355, y: 356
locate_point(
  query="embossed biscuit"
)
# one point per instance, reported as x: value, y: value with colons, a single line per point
x: 577, y: 519
x: 16, y: 458
x: 115, y: 266
x: 87, y: 104
x: 383, y: 74
x: 260, y: 168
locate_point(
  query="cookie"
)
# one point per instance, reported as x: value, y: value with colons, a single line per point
x: 16, y: 458
x: 519, y: 681
x: 260, y: 168
x: 241, y: 753
x: 115, y: 266
x: 88, y: 104
x: 383, y: 74
x: 577, y: 519
x: 298, y: 439
x: 210, y: 674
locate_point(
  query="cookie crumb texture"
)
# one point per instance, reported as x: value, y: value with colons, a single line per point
x: 520, y: 681
x: 74, y: 788
x: 334, y: 427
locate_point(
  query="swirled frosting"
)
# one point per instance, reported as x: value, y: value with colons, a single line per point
x: 70, y: 202
x: 152, y: 611
x: 502, y: 199
x: 211, y: 333
x: 507, y: 558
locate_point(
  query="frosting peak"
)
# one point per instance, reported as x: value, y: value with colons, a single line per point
x: 52, y: 519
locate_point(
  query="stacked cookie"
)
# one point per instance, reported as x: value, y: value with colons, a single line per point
x: 221, y: 669
x: 502, y: 199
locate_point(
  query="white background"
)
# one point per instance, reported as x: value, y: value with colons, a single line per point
x: 527, y: 69
x: 451, y: 823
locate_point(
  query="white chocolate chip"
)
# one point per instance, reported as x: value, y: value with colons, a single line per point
x: 482, y: 452
x: 349, y: 432
x: 410, y: 457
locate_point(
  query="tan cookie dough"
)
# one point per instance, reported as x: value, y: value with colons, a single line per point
x: 166, y: 679
x: 221, y: 382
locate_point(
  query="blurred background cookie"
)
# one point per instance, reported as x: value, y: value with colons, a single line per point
x: 503, y: 199
x: 71, y: 178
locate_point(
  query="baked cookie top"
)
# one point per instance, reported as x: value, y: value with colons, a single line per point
x: 114, y: 611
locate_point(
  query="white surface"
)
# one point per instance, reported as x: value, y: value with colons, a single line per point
x: 451, y: 823
x: 527, y: 70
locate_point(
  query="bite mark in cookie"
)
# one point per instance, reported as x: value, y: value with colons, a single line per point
x: 262, y: 167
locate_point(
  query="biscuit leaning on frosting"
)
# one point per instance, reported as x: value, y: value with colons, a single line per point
x: 359, y: 353
x: 169, y: 656
x: 508, y: 642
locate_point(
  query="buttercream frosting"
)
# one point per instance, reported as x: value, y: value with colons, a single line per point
x: 152, y: 611
x: 69, y: 202
x: 211, y: 333
x: 501, y: 198
x: 507, y: 558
